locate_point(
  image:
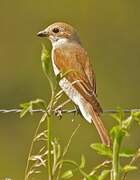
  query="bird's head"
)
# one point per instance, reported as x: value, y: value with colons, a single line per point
x: 58, y: 31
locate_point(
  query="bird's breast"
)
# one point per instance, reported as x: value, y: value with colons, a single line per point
x: 71, y: 92
x: 55, y: 68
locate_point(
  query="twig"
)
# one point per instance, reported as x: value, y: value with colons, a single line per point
x: 32, y: 144
x: 49, y: 148
x: 66, y: 150
x: 103, y: 164
x: 115, y: 162
x: 133, y: 160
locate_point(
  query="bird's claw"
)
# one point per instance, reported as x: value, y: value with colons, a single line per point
x: 58, y: 112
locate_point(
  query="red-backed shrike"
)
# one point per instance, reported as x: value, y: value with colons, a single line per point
x: 79, y: 84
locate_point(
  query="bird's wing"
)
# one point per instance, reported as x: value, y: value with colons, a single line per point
x: 76, y: 62
x: 83, y: 58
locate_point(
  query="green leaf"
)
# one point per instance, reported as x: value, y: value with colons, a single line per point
x: 104, y: 174
x: 114, y: 131
x: 86, y: 176
x: 67, y: 175
x: 68, y: 162
x: 58, y: 148
x: 102, y: 149
x: 136, y: 116
x: 39, y: 103
x: 26, y: 107
x: 83, y: 161
x: 115, y: 117
x: 127, y: 153
x: 129, y: 168
x: 118, y: 133
x: 126, y: 123
x: 46, y: 60
x: 47, y: 66
x: 121, y: 114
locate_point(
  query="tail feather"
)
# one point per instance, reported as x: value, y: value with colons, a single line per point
x: 99, y: 125
x: 101, y: 129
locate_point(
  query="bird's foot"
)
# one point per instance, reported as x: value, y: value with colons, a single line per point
x: 58, y: 112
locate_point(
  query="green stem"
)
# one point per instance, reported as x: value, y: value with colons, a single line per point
x: 31, y: 147
x: 49, y: 148
x: 115, y: 162
x: 65, y: 151
x: 133, y: 160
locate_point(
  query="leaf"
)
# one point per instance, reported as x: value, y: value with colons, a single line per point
x: 57, y: 148
x: 121, y: 114
x: 47, y: 66
x: 30, y: 173
x: 43, y: 118
x: 115, y: 116
x: 102, y: 165
x: 126, y: 123
x: 83, y: 161
x: 45, y: 59
x: 39, y: 102
x: 102, y: 149
x: 118, y: 133
x: 136, y: 116
x: 127, y: 153
x: 38, y: 158
x: 26, y: 107
x: 86, y: 176
x: 58, y: 151
x: 41, y: 136
x: 129, y: 168
x: 68, y: 162
x: 67, y: 174
x: 103, y: 174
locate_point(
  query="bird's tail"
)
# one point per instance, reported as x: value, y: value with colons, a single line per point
x: 100, y: 127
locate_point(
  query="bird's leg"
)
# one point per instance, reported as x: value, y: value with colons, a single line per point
x: 58, y: 109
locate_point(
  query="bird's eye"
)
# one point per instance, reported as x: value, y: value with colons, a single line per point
x: 55, y: 30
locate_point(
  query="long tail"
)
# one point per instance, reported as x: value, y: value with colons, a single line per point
x: 101, y: 129
x: 99, y: 125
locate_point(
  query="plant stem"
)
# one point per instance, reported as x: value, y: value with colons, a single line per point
x: 66, y: 150
x: 133, y: 160
x: 31, y: 147
x: 115, y: 161
x: 49, y: 148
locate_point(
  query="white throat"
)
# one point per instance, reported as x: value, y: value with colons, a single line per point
x: 59, y: 43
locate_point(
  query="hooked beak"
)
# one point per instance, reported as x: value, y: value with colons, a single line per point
x: 42, y: 34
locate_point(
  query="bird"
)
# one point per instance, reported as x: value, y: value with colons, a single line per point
x: 69, y: 55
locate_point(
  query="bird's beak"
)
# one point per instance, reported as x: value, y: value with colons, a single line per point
x: 42, y: 34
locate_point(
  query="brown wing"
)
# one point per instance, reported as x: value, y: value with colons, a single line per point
x: 81, y: 76
x: 83, y: 58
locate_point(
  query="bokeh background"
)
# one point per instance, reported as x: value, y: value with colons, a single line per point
x: 109, y: 30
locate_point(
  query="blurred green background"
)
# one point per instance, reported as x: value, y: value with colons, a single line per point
x: 109, y: 30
